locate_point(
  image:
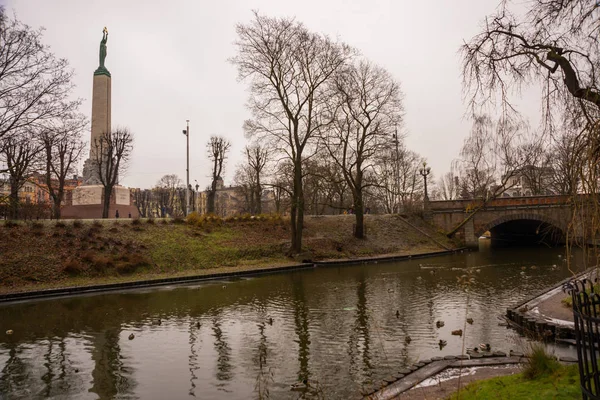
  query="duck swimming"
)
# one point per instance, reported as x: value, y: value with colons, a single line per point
x: 485, y: 346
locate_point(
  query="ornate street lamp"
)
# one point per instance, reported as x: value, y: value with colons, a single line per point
x: 424, y: 171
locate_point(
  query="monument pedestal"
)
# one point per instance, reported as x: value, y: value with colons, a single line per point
x: 86, y: 202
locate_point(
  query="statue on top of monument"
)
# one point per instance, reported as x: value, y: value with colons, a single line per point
x: 102, y: 69
x: 103, y: 46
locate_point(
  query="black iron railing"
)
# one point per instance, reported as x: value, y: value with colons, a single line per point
x: 586, y: 314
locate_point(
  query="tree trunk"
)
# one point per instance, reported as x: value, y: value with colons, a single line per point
x: 14, y: 201
x: 106, y: 201
x: 210, y: 202
x: 258, y: 196
x: 297, y: 212
x: 57, y: 200
x: 359, y: 231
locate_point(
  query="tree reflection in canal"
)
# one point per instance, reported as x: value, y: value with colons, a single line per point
x: 340, y: 328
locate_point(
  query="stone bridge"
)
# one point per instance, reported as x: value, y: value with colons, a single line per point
x: 508, y: 219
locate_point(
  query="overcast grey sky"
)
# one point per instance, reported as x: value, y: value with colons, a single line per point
x: 168, y: 61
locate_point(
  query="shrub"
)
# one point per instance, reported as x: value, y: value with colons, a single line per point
x: 97, y: 224
x: 178, y: 220
x: 36, y: 225
x: 136, y: 221
x: 539, y: 362
x: 194, y: 218
x: 77, y: 223
x: 138, y: 229
x: 102, y: 263
x: 59, y: 224
x: 150, y: 221
x: 72, y: 267
x: 113, y: 229
x: 164, y: 221
x: 11, y: 224
x: 88, y: 257
x: 129, y: 263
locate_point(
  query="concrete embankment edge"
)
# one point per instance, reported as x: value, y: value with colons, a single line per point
x: 428, y: 368
x: 539, y: 326
x: 80, y: 290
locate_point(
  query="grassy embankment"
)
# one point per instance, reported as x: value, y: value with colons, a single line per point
x: 542, y: 378
x: 72, y: 253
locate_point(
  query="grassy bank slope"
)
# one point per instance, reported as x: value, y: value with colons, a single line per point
x: 42, y: 255
x: 561, y: 384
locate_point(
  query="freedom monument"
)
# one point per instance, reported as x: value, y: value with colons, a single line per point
x: 86, y: 201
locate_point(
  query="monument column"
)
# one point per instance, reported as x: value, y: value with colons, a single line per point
x: 100, y: 108
x: 101, y: 98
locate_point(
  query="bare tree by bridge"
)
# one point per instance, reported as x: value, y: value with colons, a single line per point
x: 552, y: 46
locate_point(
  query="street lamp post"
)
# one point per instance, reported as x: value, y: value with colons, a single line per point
x: 424, y: 172
x: 186, y: 132
x: 397, y: 172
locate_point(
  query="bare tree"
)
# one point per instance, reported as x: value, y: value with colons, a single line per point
x: 143, y: 199
x: 245, y: 183
x: 566, y: 163
x: 217, y: 149
x: 166, y: 192
x: 257, y: 157
x: 287, y: 66
x: 34, y: 84
x: 366, y: 107
x: 491, y: 157
x: 449, y: 186
x: 410, y: 188
x: 20, y: 152
x: 62, y: 148
x: 110, y: 154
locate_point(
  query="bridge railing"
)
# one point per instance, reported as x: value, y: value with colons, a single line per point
x: 529, y: 201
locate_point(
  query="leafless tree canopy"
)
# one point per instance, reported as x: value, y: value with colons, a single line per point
x: 555, y: 44
x: 62, y: 149
x: 287, y: 67
x: 40, y: 129
x: 366, y: 107
x: 34, y: 84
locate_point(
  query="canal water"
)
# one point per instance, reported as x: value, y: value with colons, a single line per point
x: 339, y: 328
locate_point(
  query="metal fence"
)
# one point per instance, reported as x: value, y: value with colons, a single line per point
x: 586, y: 314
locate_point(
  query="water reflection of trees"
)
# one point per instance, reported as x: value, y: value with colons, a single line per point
x: 15, y: 372
x: 223, y: 350
x: 194, y: 331
x: 111, y: 376
x: 361, y: 325
x: 300, y: 309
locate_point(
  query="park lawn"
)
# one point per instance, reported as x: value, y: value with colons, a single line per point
x: 562, y: 384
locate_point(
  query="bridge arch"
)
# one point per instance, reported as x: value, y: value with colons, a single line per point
x: 551, y: 222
